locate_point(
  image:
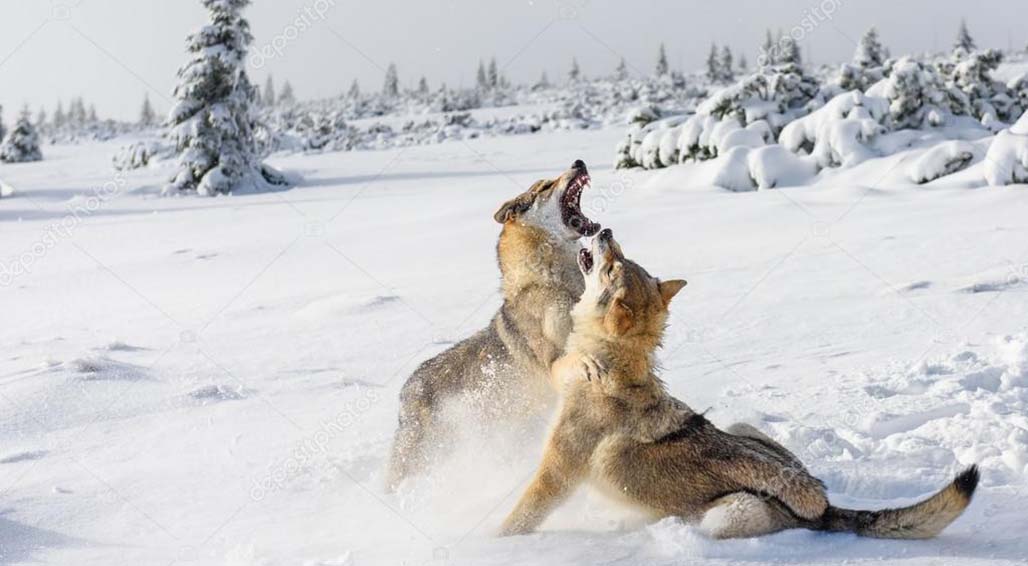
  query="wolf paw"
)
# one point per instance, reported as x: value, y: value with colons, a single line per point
x: 594, y: 368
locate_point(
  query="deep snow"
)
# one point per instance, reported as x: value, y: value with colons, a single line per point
x: 214, y: 381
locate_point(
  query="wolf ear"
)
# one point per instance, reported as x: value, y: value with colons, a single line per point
x: 620, y: 318
x: 511, y: 209
x: 668, y: 289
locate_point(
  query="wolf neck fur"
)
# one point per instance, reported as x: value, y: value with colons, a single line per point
x: 531, y: 256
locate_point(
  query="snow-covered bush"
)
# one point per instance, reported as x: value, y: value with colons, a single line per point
x: 21, y: 143
x: 141, y: 154
x: 1007, y: 159
x: 918, y: 95
x: 212, y: 124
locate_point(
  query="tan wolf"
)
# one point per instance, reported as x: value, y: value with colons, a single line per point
x: 620, y: 430
x: 504, y: 368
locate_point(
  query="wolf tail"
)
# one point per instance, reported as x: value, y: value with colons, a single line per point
x: 921, y: 520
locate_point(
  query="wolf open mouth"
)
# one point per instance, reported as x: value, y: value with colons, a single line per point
x: 585, y: 260
x: 571, y: 206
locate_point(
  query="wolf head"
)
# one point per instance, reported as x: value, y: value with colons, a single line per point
x: 621, y: 300
x: 553, y: 205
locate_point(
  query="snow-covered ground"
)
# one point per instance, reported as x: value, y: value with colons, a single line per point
x: 214, y: 381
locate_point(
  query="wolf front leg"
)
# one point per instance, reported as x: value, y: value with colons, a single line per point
x: 553, y: 482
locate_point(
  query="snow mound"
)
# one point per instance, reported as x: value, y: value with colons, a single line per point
x: 944, y: 159
x: 838, y: 133
x: 733, y: 172
x: 774, y: 166
x: 1007, y: 159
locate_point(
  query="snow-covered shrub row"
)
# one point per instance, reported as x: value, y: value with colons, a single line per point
x: 859, y: 112
x: 749, y: 113
x: 329, y: 124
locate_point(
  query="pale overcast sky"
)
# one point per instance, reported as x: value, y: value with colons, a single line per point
x: 113, y: 51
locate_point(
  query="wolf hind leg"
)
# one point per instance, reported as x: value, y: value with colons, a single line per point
x: 417, y: 425
x: 743, y: 515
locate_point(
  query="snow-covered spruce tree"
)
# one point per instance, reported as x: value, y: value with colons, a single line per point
x: 423, y: 87
x: 964, y: 40
x: 22, y: 143
x: 543, y: 83
x: 713, y: 65
x: 868, y: 64
x: 147, y: 117
x: 727, y: 65
x: 212, y: 123
x: 574, y: 73
x: 768, y: 51
x: 481, y: 82
x: 743, y: 65
x: 789, y: 51
x: 870, y: 52
x: 355, y: 90
x: 662, y: 65
x: 493, y: 75
x: 59, y: 117
x: 391, y: 84
x: 286, y: 96
x: 268, y: 99
x: 40, y: 119
x: 621, y: 72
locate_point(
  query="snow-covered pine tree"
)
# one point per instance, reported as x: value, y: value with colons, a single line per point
x: 355, y: 90
x: 621, y: 72
x: 147, y: 117
x: 870, y: 52
x: 40, y: 118
x: 212, y: 123
x: 964, y: 40
x: 494, y: 74
x: 91, y: 117
x: 269, y: 92
x: 713, y: 64
x: 662, y: 65
x: 727, y: 65
x: 480, y: 79
x: 22, y: 143
x: 575, y: 73
x: 742, y: 63
x: 391, y: 84
x: 286, y: 96
x: 423, y: 87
